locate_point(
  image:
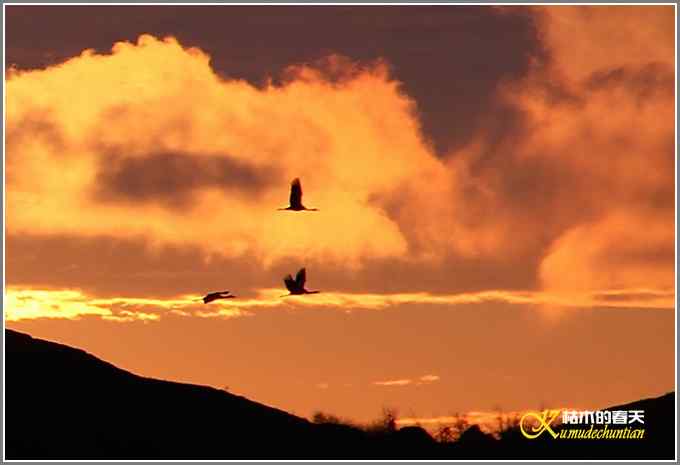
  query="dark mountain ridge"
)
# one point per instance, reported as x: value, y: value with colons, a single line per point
x: 63, y: 403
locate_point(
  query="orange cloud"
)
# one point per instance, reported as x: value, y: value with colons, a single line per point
x: 149, y: 141
x: 590, y: 176
x: 620, y: 63
x: 586, y: 39
x: 126, y: 316
x: 26, y: 304
x: 394, y: 382
x: 617, y: 250
x: 425, y: 379
x: 23, y: 304
x: 488, y: 421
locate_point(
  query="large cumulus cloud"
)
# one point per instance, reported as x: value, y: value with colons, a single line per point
x: 175, y: 128
x: 568, y: 186
x: 586, y: 180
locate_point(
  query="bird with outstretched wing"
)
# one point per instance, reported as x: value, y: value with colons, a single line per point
x: 291, y: 285
x: 217, y: 295
x: 296, y: 195
x: 297, y: 286
x: 301, y: 278
x: 295, y: 200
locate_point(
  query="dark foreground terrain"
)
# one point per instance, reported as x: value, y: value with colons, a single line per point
x: 62, y: 403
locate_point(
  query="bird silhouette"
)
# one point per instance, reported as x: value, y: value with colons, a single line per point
x: 217, y: 295
x: 296, y: 198
x: 297, y: 286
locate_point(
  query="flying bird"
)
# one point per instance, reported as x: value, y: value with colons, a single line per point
x: 297, y: 286
x: 296, y: 198
x: 217, y: 295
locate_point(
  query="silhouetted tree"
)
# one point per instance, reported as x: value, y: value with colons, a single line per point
x: 450, y: 432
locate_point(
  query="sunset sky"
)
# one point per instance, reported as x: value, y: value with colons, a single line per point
x: 495, y: 185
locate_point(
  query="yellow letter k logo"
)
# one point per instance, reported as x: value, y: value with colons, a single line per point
x: 544, y: 421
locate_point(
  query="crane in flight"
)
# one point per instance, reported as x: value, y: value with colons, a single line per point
x: 296, y: 198
x: 297, y: 286
x: 217, y: 295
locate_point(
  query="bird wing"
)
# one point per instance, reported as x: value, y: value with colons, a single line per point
x: 210, y: 297
x: 215, y: 296
x: 296, y: 193
x: 290, y: 284
x: 300, y: 278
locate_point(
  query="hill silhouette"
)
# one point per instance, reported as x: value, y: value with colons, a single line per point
x: 63, y: 403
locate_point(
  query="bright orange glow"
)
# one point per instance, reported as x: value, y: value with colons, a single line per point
x: 351, y: 144
x: 600, y: 127
x: 30, y: 304
x: 519, y: 250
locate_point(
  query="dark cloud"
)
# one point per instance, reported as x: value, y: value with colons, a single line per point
x: 170, y: 178
x: 639, y: 255
x: 37, y: 125
x: 546, y: 189
x: 641, y: 82
x: 466, y: 51
x: 111, y: 267
x: 632, y: 296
